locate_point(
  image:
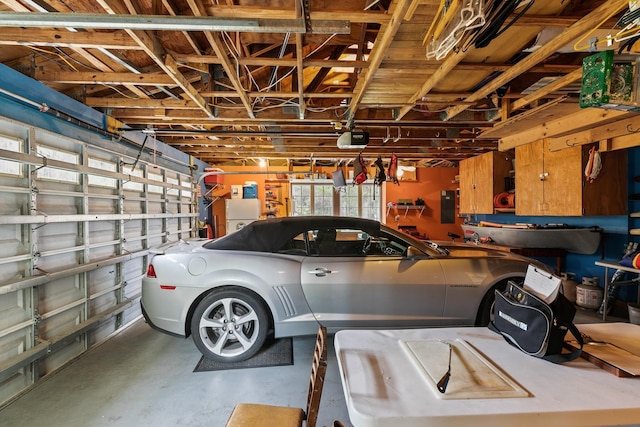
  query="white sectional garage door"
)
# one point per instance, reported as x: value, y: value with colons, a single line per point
x: 76, y: 222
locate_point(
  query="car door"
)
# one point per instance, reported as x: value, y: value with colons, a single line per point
x: 348, y: 285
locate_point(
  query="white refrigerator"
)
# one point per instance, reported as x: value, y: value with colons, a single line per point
x: 240, y: 212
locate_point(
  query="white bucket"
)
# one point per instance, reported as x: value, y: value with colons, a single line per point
x: 569, y: 285
x: 589, y: 296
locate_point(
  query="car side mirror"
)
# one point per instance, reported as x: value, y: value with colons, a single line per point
x: 413, y: 252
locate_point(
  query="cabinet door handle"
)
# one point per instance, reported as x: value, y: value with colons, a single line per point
x: 543, y: 176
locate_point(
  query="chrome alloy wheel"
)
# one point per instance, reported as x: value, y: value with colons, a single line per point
x: 229, y: 325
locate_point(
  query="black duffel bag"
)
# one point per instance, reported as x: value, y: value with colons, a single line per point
x: 533, y: 326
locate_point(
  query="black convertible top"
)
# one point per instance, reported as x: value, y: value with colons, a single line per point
x: 270, y: 235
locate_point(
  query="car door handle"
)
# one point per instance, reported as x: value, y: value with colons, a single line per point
x: 320, y: 271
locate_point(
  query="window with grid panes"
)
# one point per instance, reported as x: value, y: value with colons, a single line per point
x: 321, y: 198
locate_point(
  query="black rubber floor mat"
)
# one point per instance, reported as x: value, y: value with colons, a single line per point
x: 275, y: 353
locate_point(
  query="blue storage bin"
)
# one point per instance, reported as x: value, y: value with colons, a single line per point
x: 250, y: 191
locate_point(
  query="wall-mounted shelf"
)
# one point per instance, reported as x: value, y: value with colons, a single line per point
x: 214, y: 193
x: 272, y: 198
x: 406, y: 208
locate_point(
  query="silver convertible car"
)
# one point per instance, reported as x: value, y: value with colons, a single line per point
x: 284, y: 276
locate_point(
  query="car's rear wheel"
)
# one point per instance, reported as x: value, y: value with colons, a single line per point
x: 230, y: 325
x: 486, y: 306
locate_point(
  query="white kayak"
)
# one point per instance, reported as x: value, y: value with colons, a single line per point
x: 580, y: 240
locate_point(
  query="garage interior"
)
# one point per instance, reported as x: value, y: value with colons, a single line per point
x: 111, y: 111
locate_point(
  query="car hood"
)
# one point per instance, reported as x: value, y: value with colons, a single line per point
x: 457, y: 249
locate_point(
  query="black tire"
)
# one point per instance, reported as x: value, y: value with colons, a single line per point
x: 485, y: 311
x: 230, y: 325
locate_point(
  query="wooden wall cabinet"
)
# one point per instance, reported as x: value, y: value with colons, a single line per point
x: 552, y: 183
x: 481, y: 178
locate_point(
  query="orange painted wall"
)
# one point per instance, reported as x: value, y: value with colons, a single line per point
x: 428, y: 185
x: 218, y: 220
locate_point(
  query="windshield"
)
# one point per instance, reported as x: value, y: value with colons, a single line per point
x: 429, y: 248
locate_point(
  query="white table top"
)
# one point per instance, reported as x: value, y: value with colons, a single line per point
x: 384, y: 387
x: 616, y: 266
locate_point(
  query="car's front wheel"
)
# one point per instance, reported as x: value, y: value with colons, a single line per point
x: 229, y: 325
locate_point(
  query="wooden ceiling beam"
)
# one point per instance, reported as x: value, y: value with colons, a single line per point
x: 83, y: 78
x: 378, y: 117
x: 615, y: 129
x: 112, y: 102
x: 302, y: 106
x: 589, y: 22
x: 315, y: 152
x: 158, y: 54
x: 92, y: 59
x: 564, y: 126
x: 558, y: 84
x: 372, y: 16
x: 223, y: 11
x: 216, y: 43
x: 65, y: 38
x: 384, y: 39
x: 310, y: 144
x: 168, y: 4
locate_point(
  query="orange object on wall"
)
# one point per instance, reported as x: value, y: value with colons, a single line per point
x: 214, y: 179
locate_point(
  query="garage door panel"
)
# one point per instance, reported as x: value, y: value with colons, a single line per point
x: 102, y: 332
x: 51, y: 262
x: 134, y: 269
x: 156, y: 227
x: 51, y: 237
x: 62, y: 355
x: 15, y: 309
x: 15, y: 256
x: 102, y: 206
x: 102, y: 231
x: 156, y: 206
x: 70, y: 247
x: 133, y: 206
x: 12, y: 345
x: 131, y: 314
x: 102, y: 279
x: 59, y: 294
x: 103, y: 252
x: 59, y: 323
x: 14, y: 204
x: 102, y: 302
x: 173, y: 225
x: 134, y: 244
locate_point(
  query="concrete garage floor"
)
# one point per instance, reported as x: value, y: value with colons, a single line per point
x: 141, y: 377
